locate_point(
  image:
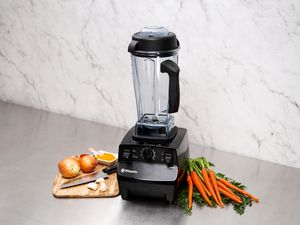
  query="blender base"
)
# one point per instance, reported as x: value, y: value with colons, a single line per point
x: 148, y: 169
x: 133, y: 190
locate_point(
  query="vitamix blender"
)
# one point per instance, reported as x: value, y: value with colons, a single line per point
x: 150, y: 152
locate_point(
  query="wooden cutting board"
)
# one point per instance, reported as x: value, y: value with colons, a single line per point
x: 81, y: 191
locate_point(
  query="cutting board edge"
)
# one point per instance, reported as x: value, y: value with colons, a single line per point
x: 76, y: 196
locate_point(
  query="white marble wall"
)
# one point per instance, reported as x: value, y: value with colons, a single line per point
x: 240, y: 64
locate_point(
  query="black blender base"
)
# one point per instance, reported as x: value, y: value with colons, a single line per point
x: 150, y: 170
x: 132, y: 191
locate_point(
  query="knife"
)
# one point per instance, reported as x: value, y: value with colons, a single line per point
x: 111, y: 169
x: 84, y: 179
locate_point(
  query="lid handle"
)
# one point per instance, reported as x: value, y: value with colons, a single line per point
x: 170, y: 67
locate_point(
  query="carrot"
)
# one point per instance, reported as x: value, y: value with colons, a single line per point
x: 197, y: 181
x: 225, y: 188
x: 209, y: 185
x: 179, y: 170
x: 206, y: 190
x: 215, y: 186
x: 228, y: 184
x: 180, y: 178
x: 227, y: 194
x: 190, y: 193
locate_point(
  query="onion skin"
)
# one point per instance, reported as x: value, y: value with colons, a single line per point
x: 69, y: 167
x: 87, y: 163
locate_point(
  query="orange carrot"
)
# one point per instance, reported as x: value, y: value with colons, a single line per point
x: 180, y: 178
x: 179, y: 170
x: 215, y: 186
x: 227, y: 194
x: 225, y: 188
x: 206, y: 190
x: 228, y: 184
x: 209, y: 186
x: 190, y: 193
x: 197, y: 181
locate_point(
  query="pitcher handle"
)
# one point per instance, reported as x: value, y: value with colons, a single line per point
x: 170, y: 67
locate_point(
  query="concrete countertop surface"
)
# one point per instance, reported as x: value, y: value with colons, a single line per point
x: 32, y: 142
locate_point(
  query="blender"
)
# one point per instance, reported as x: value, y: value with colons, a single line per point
x: 150, y: 152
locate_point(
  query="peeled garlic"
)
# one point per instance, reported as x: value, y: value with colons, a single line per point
x: 100, y: 180
x: 93, y: 186
x: 103, y: 187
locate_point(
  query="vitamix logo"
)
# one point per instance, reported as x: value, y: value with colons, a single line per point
x: 128, y: 171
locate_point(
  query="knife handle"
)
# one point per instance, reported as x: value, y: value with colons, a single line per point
x: 111, y: 169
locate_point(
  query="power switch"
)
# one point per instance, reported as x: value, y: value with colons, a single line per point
x: 168, y: 157
x: 127, y: 154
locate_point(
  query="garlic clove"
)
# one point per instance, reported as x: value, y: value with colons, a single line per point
x: 92, y: 186
x: 103, y: 187
x: 100, y: 180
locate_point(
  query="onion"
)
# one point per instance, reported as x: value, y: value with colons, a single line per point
x: 87, y: 163
x: 69, y: 167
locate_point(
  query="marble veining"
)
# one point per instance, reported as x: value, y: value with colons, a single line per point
x: 239, y: 60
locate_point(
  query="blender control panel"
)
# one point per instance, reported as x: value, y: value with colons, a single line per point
x: 148, y: 154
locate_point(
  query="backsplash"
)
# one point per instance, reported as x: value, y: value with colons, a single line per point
x: 239, y: 60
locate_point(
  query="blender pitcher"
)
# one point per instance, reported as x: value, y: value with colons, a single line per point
x: 156, y: 82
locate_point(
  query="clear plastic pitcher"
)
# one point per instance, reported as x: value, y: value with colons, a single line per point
x: 156, y: 81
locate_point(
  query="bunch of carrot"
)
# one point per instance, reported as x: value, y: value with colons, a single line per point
x: 206, y: 187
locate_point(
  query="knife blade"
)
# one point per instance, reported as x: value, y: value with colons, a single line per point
x: 84, y: 179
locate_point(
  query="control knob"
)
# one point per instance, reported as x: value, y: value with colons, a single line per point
x: 148, y: 153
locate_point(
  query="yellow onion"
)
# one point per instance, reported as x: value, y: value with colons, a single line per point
x: 69, y: 167
x: 87, y: 163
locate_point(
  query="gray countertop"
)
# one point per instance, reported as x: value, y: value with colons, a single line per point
x: 32, y: 142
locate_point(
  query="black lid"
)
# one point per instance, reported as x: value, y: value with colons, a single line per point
x: 153, y: 42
